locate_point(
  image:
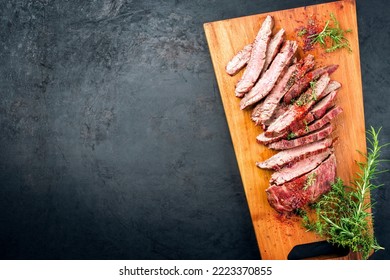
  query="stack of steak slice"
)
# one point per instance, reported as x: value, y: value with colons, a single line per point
x: 264, y: 111
x: 305, y: 189
x: 269, y: 78
x: 257, y: 59
x: 293, y: 100
x: 299, y: 168
x: 288, y: 157
x: 309, y: 138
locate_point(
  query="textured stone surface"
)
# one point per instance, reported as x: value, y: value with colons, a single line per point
x: 113, y: 140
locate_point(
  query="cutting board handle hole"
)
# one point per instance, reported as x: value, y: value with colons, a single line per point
x: 317, y: 250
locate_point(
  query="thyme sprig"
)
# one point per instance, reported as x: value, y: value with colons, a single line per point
x: 342, y: 215
x: 291, y: 135
x: 334, y: 33
x: 313, y: 86
x: 307, y: 128
x: 310, y: 180
x: 302, y: 32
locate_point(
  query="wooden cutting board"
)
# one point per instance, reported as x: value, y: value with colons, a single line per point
x: 277, y: 235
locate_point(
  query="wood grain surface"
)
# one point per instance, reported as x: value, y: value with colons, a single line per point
x: 277, y: 235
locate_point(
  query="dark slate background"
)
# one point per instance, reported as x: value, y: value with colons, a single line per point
x: 113, y: 141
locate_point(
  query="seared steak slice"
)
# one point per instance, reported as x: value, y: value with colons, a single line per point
x: 299, y: 109
x: 332, y: 86
x: 305, y: 189
x: 305, y: 127
x: 268, y: 80
x: 283, y: 158
x: 280, y: 109
x: 262, y: 139
x: 309, y: 138
x: 316, y: 112
x: 299, y: 168
x: 266, y: 110
x: 331, y: 114
x: 239, y: 60
x: 295, y: 126
x: 282, y: 86
x: 321, y: 107
x: 255, y: 116
x: 257, y: 59
x: 303, y: 83
x: 273, y: 48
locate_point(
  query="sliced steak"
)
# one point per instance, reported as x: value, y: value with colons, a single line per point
x: 239, y: 60
x: 273, y: 48
x: 262, y: 139
x: 256, y: 62
x: 299, y: 109
x: 297, y: 125
x: 288, y: 157
x: 268, y: 80
x: 305, y: 189
x: 303, y: 83
x: 317, y: 112
x: 267, y: 108
x: 304, y: 128
x: 331, y: 114
x: 332, y: 86
x: 280, y: 109
x: 282, y: 86
x: 255, y: 116
x: 321, y: 107
x: 304, y: 65
x: 299, y: 168
x: 309, y: 138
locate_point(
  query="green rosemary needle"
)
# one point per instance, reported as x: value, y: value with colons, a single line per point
x: 334, y: 33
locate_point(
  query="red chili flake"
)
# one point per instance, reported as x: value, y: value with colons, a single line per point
x: 306, y: 31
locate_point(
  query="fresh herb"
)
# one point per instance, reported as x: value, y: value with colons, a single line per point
x: 334, y: 33
x: 307, y: 97
x: 291, y: 135
x: 302, y: 32
x: 342, y: 215
x: 307, y: 129
x: 299, y: 102
x: 310, y: 180
x: 300, y: 212
x: 313, y: 84
x: 304, y: 99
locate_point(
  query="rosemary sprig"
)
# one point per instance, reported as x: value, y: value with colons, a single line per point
x: 334, y: 33
x: 342, y: 215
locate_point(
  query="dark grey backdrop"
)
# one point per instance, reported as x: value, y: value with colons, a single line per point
x: 113, y: 141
